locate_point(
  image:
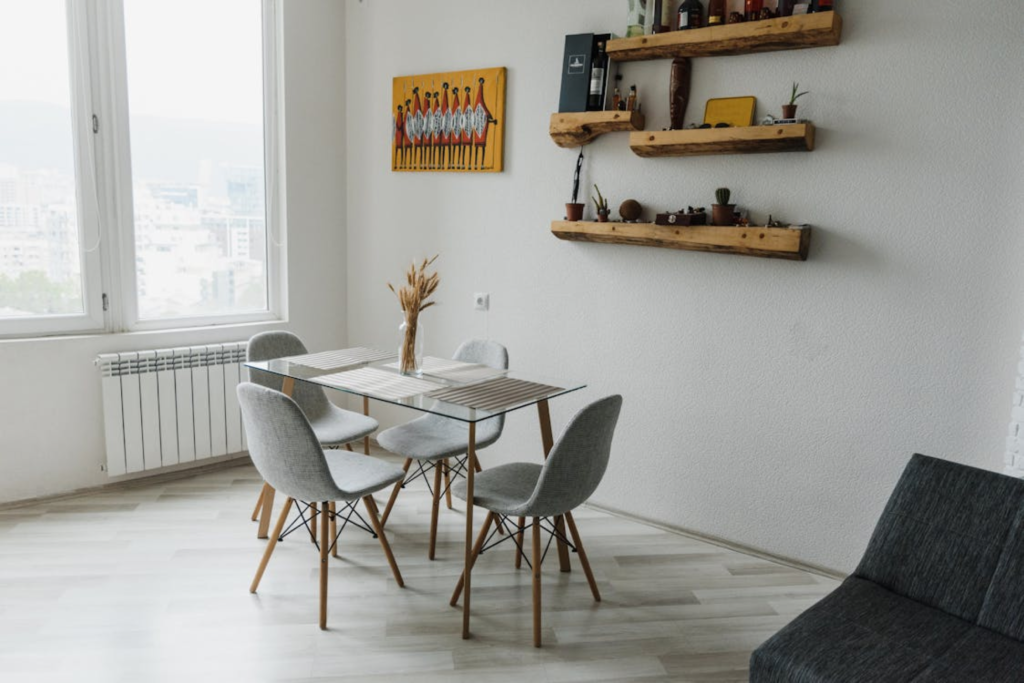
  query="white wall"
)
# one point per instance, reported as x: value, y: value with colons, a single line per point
x: 770, y: 403
x: 51, y: 424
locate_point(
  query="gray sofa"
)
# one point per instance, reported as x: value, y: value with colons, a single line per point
x: 938, y: 596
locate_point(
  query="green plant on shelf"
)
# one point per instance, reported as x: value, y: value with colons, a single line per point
x: 722, y: 195
x: 794, y: 96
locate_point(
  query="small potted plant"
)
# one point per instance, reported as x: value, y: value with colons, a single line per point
x: 574, y: 210
x: 789, y: 110
x: 722, y: 213
x: 602, y: 205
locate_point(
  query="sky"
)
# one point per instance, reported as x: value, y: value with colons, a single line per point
x: 187, y: 59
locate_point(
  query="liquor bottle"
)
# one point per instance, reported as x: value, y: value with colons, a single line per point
x: 823, y: 5
x: 754, y: 8
x: 716, y: 12
x: 631, y: 100
x: 616, y: 99
x: 667, y: 14
x: 691, y: 15
x: 786, y: 8
x: 598, y: 69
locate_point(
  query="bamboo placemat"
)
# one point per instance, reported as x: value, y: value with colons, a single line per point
x: 343, y: 358
x: 378, y: 383
x: 496, y: 394
x: 455, y: 370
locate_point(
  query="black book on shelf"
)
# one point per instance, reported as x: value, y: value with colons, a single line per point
x: 576, y: 65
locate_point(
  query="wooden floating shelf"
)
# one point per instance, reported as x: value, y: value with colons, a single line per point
x: 822, y: 29
x: 792, y: 137
x: 576, y: 129
x: 782, y: 243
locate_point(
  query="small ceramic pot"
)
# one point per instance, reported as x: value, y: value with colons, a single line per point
x: 722, y: 214
x: 602, y: 216
x: 574, y: 212
x: 789, y: 111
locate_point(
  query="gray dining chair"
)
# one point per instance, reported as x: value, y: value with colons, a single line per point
x: 541, y: 493
x: 434, y: 442
x: 288, y: 455
x: 333, y: 426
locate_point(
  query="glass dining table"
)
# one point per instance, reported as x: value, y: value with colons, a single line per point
x: 458, y: 391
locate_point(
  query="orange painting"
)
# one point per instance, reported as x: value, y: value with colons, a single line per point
x: 449, y: 122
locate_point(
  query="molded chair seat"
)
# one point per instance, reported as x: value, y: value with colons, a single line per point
x: 287, y: 454
x: 337, y: 427
x: 433, y: 441
x: 547, y: 493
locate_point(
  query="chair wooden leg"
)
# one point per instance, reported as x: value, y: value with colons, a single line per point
x: 447, y: 484
x: 583, y: 556
x: 394, y: 494
x: 536, y: 582
x: 563, y: 549
x: 348, y: 447
x: 314, y: 509
x: 518, y: 543
x: 267, y: 511
x: 371, y: 508
x: 324, y: 542
x: 278, y: 528
x: 366, y: 412
x: 434, y: 509
x: 333, y: 514
x: 476, y: 552
x: 259, y: 502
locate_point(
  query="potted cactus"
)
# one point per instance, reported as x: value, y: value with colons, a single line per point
x: 602, y: 205
x: 789, y: 110
x: 722, y: 212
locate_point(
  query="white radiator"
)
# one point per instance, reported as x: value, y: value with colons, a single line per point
x: 171, y: 406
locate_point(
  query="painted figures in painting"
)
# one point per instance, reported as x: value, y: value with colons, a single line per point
x: 439, y: 125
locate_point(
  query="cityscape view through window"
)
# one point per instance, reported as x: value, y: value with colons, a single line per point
x: 196, y: 135
x: 40, y: 264
x: 195, y: 100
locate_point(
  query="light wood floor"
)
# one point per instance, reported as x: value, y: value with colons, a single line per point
x: 151, y: 584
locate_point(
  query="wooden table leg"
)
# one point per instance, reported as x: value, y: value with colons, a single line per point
x: 470, y: 476
x: 267, y: 503
x: 324, y: 542
x: 544, y: 416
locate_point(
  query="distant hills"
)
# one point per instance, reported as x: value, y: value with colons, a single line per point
x: 168, y: 150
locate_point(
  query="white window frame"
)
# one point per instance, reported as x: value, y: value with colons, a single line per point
x: 103, y: 164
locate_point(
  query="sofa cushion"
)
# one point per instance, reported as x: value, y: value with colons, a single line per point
x: 980, y: 657
x: 860, y: 632
x: 1003, y: 610
x: 942, y: 533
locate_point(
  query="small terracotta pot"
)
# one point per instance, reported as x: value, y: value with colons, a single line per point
x: 574, y: 212
x: 722, y: 214
x: 602, y: 216
x: 789, y: 111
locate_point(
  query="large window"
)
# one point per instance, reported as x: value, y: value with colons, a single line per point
x: 134, y: 184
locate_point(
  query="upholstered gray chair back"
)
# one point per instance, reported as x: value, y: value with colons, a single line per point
x: 283, y: 446
x: 577, y: 461
x: 279, y: 344
x: 493, y: 355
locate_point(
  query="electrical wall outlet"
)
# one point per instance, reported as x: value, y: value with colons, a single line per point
x: 481, y: 301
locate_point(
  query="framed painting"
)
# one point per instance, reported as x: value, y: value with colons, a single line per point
x: 450, y: 122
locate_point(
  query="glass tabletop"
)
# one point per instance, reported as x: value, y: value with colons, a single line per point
x: 469, y: 394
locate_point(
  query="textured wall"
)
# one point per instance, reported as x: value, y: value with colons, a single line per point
x: 51, y: 420
x: 770, y: 403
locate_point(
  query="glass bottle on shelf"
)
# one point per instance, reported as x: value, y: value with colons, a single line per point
x: 786, y: 8
x: 667, y: 14
x: 753, y: 9
x: 631, y: 100
x: 823, y: 5
x: 716, y: 12
x: 598, y: 69
x: 616, y: 99
x: 691, y: 15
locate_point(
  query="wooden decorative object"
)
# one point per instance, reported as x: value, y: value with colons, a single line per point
x: 794, y: 137
x: 572, y: 130
x: 781, y: 243
x: 783, y: 33
x: 679, y: 92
